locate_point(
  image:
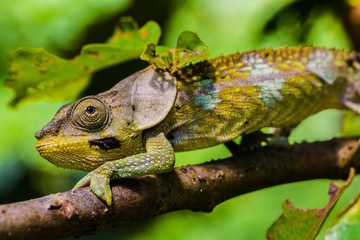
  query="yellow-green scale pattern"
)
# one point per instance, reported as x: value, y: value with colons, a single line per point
x: 226, y: 97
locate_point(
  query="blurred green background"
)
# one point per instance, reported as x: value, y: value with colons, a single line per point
x: 227, y: 26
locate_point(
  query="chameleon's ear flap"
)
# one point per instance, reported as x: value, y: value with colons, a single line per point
x: 152, y: 97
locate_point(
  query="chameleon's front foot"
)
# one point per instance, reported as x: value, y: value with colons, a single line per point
x: 99, y: 182
x: 159, y: 158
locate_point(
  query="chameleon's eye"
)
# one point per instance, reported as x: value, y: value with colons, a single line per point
x: 90, y: 114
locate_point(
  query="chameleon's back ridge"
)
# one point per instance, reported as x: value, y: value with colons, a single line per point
x: 134, y: 128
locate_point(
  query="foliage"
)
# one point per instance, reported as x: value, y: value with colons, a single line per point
x: 347, y: 224
x: 297, y: 224
x: 36, y: 73
x: 189, y: 49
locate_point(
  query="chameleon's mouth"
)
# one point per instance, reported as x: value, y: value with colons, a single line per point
x: 105, y: 143
x: 70, y: 153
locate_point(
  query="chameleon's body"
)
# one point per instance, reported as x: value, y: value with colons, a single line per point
x: 134, y: 128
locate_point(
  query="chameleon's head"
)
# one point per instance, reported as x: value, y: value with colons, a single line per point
x: 85, y: 134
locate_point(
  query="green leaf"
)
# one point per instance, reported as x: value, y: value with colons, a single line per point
x: 347, y: 224
x: 190, y: 41
x: 189, y: 49
x: 35, y: 73
x: 350, y: 125
x: 38, y: 74
x: 296, y: 223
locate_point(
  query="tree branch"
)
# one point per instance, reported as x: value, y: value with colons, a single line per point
x: 199, y: 188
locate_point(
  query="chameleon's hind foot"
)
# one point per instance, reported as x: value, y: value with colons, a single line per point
x: 281, y: 142
x: 256, y: 140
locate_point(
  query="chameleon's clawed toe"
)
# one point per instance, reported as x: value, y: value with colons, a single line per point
x: 85, y: 181
x: 100, y: 185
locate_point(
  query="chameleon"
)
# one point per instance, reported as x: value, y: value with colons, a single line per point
x: 134, y: 128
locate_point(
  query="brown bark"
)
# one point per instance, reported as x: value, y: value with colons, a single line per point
x: 199, y: 188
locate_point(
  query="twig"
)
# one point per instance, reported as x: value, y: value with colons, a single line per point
x: 198, y: 188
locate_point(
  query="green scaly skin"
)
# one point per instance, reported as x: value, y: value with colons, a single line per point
x: 134, y: 128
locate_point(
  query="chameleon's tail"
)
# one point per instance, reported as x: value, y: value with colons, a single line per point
x: 355, y: 61
x: 351, y: 99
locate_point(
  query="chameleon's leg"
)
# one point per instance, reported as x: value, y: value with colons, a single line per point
x: 283, y: 132
x: 353, y: 106
x: 159, y: 158
x: 280, y: 138
x: 351, y: 99
x: 249, y: 142
x: 254, y: 140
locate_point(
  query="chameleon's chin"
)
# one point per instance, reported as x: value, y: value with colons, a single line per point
x: 69, y: 155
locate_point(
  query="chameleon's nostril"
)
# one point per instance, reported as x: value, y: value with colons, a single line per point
x: 39, y: 134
